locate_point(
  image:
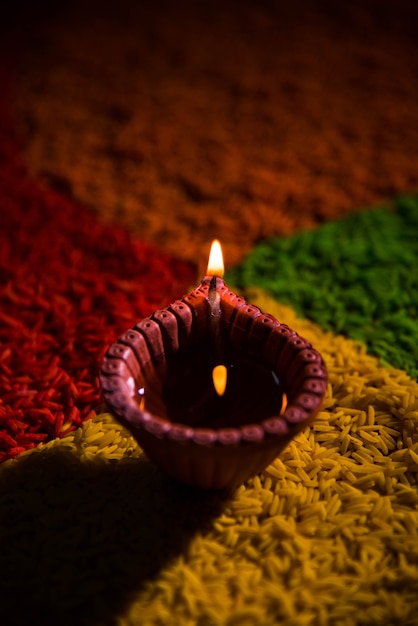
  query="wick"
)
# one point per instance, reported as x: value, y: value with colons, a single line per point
x: 214, y: 300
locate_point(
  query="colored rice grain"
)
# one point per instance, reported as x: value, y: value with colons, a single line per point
x: 357, y: 276
x: 68, y: 287
x: 325, y: 536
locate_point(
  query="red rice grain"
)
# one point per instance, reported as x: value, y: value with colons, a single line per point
x: 68, y: 287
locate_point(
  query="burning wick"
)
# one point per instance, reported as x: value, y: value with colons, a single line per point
x: 216, y: 269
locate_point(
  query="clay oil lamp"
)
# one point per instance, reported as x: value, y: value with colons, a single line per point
x: 212, y: 388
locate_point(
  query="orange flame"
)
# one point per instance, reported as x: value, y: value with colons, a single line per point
x: 216, y: 261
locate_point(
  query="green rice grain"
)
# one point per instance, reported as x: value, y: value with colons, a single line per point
x: 356, y: 276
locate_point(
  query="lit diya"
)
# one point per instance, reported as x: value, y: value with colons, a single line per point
x: 212, y: 388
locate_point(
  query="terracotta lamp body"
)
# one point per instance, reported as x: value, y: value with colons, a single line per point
x: 157, y: 378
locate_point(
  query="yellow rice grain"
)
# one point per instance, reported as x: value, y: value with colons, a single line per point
x: 325, y: 535
x: 274, y: 505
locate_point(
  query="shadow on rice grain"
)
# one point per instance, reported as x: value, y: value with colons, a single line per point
x: 78, y: 540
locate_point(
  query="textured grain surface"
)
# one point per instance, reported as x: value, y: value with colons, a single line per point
x: 356, y: 276
x: 335, y: 516
x: 232, y: 119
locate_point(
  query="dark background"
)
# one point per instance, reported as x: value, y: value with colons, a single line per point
x: 187, y: 121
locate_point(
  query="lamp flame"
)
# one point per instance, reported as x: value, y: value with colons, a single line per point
x: 216, y: 261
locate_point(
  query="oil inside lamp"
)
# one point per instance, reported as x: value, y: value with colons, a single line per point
x: 219, y: 377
